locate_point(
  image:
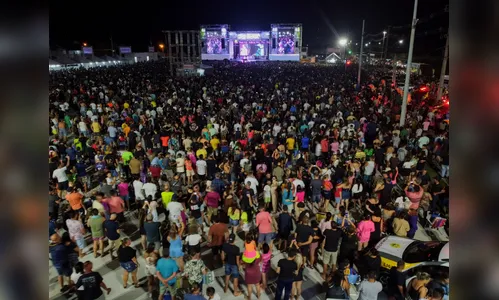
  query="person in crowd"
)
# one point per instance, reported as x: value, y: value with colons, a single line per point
x: 417, y: 289
x: 287, y: 269
x: 329, y: 248
x: 76, y: 231
x: 369, y: 289
x: 217, y: 235
x: 166, y: 271
x: 152, y: 232
x: 253, y: 276
x: 264, y: 223
x: 127, y: 256
x: 364, y: 230
x: 60, y: 259
x: 194, y: 268
x: 400, y: 225
x: 397, y: 282
x: 151, y: 256
x: 95, y: 222
x: 175, y: 240
x: 78, y: 271
x: 231, y: 258
x: 113, y: 231
x: 92, y: 282
x: 194, y: 293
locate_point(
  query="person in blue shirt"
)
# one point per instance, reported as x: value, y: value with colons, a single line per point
x: 305, y: 143
x: 287, y: 197
x: 166, y: 270
x: 195, y: 293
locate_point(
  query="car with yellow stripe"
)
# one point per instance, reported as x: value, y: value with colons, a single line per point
x: 415, y: 253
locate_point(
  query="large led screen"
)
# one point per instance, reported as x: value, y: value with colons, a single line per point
x: 252, y: 49
x: 286, y: 45
x: 214, y: 45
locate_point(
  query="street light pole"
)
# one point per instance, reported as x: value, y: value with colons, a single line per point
x: 383, y: 45
x: 444, y: 68
x: 409, y: 63
x: 360, y: 56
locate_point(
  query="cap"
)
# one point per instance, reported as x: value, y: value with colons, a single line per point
x: 232, y: 238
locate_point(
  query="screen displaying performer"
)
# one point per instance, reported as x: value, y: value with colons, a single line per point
x: 213, y: 45
x: 286, y: 45
x: 253, y: 49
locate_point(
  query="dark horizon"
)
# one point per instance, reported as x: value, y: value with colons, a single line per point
x: 323, y: 22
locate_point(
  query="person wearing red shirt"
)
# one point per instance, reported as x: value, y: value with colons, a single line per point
x: 211, y: 200
x: 116, y: 206
x: 155, y: 171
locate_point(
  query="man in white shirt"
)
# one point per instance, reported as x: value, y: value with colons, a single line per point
x: 175, y: 208
x: 423, y: 141
x: 297, y: 182
x: 201, y: 166
x: 62, y: 178
x: 138, y: 187
x: 82, y: 126
x: 253, y: 182
x: 150, y: 189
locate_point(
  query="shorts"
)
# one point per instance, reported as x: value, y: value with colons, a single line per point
x: 150, y: 270
x: 327, y: 195
x: 234, y: 222
x: 316, y: 198
x: 63, y: 186
x: 98, y: 238
x: 330, y: 258
x: 216, y: 249
x: 199, y: 221
x: 81, y: 243
x: 172, y: 289
x: 64, y: 270
x: 267, y: 199
x: 305, y: 250
x: 265, y: 237
x: 231, y: 270
x: 337, y: 200
x: 212, y: 211
x: 345, y: 194
x: 190, y: 173
x: 128, y: 266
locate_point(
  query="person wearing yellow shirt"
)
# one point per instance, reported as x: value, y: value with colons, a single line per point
x: 202, y: 152
x: 290, y: 143
x: 214, y: 143
x: 126, y: 105
x: 95, y: 127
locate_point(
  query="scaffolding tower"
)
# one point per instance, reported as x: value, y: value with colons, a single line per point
x: 182, y: 47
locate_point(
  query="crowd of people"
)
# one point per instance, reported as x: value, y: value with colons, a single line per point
x: 292, y: 159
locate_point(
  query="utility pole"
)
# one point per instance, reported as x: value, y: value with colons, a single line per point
x: 444, y: 68
x: 112, y: 45
x: 394, y: 70
x: 361, y: 52
x: 409, y: 63
x: 385, y: 51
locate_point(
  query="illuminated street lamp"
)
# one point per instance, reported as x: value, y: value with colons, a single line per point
x: 161, y: 46
x: 84, y: 44
x: 401, y: 42
x: 343, y: 42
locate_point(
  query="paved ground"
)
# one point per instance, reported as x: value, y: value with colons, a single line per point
x: 111, y: 272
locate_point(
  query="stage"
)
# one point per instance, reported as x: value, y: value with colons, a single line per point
x: 282, y: 43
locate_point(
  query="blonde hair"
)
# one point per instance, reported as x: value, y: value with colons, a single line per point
x: 423, y: 276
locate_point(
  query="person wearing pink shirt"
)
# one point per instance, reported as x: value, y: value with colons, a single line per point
x: 264, y: 224
x: 123, y: 191
x: 116, y: 205
x: 335, y: 147
x: 364, y: 230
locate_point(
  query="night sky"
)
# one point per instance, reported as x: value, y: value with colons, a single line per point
x: 324, y: 21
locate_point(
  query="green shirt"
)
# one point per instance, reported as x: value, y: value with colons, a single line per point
x: 126, y: 156
x: 95, y: 224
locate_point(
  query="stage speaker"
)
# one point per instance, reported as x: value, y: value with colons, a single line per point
x: 273, y: 43
x: 296, y: 44
x: 223, y: 43
x: 202, y: 44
